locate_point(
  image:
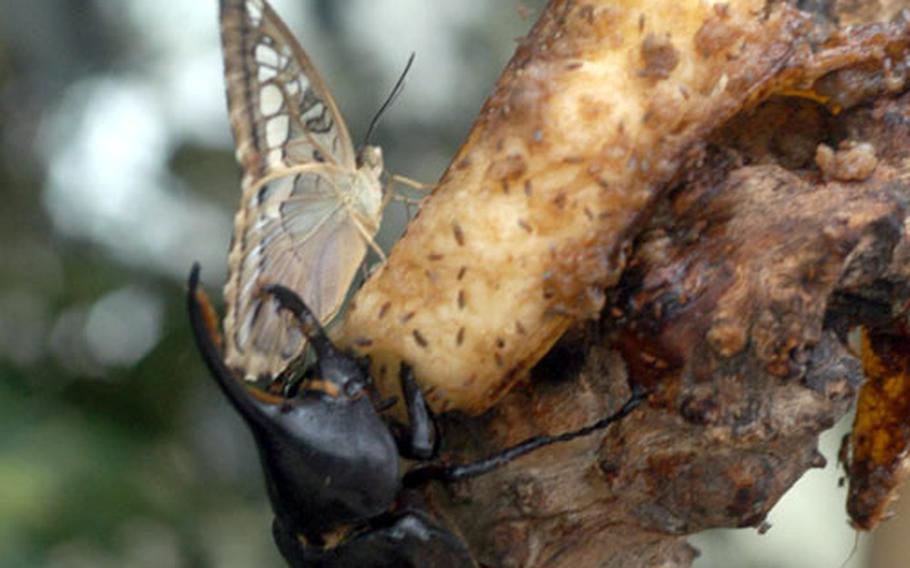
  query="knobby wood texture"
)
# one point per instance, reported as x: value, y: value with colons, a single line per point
x: 729, y: 273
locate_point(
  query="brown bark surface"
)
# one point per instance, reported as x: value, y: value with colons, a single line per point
x: 774, y: 229
x: 735, y: 310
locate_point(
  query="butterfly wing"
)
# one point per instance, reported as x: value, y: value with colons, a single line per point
x: 281, y: 112
x: 299, y: 222
x: 294, y: 225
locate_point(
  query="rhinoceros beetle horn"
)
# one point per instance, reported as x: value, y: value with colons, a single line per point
x: 203, y: 325
x: 328, y: 457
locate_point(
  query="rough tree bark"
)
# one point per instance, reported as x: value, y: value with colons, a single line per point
x: 771, y: 223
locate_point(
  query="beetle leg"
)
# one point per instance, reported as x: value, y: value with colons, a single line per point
x: 410, y: 538
x: 296, y: 553
x: 453, y: 472
x: 293, y: 551
x: 418, y: 440
x: 405, y: 539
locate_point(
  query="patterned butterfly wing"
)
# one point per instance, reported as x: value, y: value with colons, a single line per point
x: 281, y: 111
x: 307, y: 212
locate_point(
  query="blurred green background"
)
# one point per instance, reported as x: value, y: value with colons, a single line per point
x: 116, y: 172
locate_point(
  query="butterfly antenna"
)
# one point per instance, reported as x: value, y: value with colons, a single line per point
x: 853, y: 550
x: 396, y: 90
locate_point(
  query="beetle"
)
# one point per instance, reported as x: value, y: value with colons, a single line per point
x: 332, y: 462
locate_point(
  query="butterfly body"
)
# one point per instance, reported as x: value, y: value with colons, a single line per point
x: 310, y: 204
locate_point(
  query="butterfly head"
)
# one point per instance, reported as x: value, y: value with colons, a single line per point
x: 370, y: 159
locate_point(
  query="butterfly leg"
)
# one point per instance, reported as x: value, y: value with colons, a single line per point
x: 410, y: 182
x: 389, y: 194
x: 409, y: 203
x: 370, y: 241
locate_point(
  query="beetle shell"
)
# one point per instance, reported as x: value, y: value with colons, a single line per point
x: 327, y: 462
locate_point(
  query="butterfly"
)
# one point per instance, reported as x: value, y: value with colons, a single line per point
x: 310, y: 205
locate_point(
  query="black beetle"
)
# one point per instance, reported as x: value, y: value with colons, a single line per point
x: 331, y: 462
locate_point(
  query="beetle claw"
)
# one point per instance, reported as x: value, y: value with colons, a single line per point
x: 309, y: 324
